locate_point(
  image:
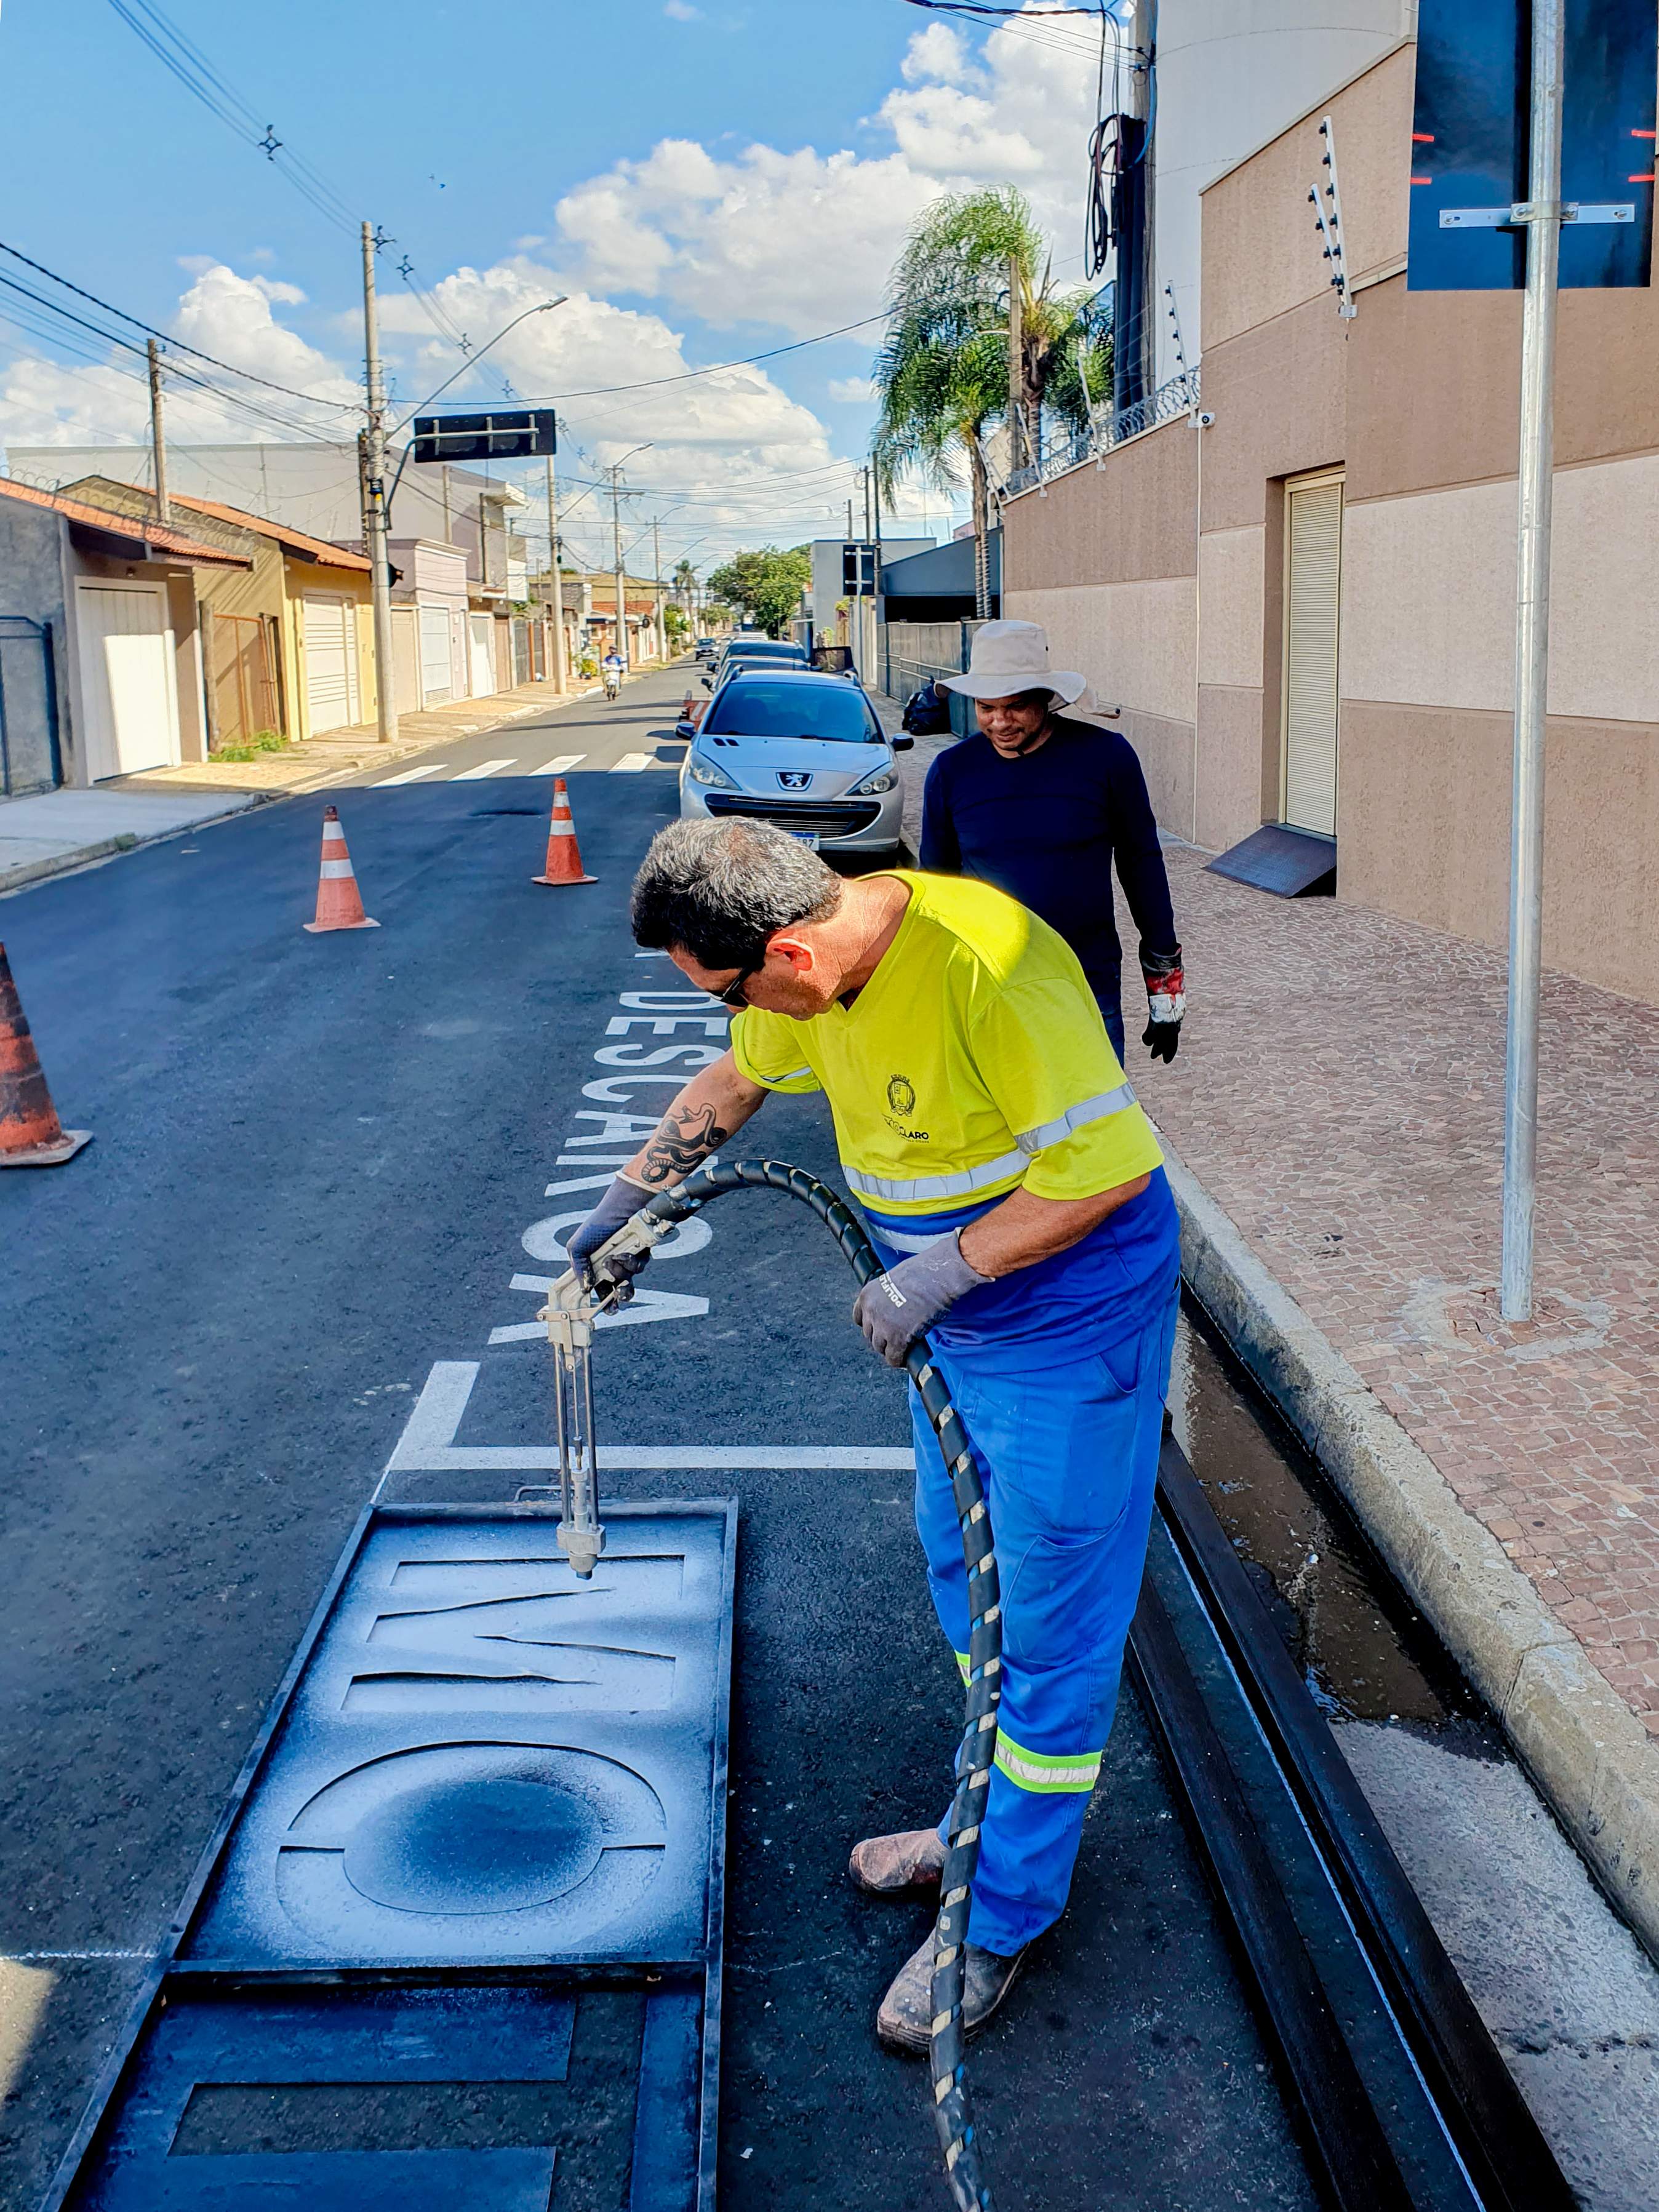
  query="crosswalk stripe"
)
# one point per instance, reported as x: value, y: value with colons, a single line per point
x: 630, y: 764
x: 559, y: 763
x: 411, y: 775
x: 657, y: 761
x: 483, y: 769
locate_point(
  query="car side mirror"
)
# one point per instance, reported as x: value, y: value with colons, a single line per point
x: 688, y: 729
x: 707, y: 683
x: 903, y: 743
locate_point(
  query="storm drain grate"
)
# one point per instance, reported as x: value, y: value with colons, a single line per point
x: 457, y: 1940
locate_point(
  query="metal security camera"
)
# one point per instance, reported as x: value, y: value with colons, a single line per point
x: 1205, y: 421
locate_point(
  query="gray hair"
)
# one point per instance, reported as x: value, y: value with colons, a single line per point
x: 720, y: 889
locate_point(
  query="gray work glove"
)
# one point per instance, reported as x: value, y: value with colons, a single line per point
x: 620, y: 1203
x: 894, y: 1309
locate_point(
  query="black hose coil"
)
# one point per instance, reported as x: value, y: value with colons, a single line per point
x: 952, y: 2114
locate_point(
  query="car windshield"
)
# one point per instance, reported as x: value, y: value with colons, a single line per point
x: 756, y: 708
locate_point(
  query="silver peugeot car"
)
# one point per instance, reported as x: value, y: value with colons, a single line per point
x: 799, y: 749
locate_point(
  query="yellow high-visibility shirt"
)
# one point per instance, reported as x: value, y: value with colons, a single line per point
x: 974, y: 1060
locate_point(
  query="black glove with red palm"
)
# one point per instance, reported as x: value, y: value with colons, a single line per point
x: 1166, y: 1002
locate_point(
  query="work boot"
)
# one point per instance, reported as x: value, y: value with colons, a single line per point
x: 907, y: 2010
x: 887, y: 1866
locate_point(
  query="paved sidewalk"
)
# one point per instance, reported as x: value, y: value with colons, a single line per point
x: 1339, y: 1095
x: 42, y: 835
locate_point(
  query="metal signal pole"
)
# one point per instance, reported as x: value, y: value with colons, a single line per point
x: 158, y: 442
x: 1532, y: 641
x: 1017, y: 453
x: 375, y: 516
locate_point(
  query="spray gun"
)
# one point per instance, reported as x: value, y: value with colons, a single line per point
x: 572, y: 1312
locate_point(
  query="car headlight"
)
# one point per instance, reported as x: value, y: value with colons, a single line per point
x: 702, y: 770
x: 878, y: 779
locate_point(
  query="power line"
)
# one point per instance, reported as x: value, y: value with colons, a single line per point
x: 183, y: 59
x: 177, y: 344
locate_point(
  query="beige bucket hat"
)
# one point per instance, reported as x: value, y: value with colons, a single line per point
x: 1009, y: 657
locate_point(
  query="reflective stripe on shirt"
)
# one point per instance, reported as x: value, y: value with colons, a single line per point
x: 909, y: 1190
x: 1077, y: 1117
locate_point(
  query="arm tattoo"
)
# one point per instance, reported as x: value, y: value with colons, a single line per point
x: 684, y: 1136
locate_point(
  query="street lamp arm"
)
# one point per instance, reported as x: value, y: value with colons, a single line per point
x: 541, y: 308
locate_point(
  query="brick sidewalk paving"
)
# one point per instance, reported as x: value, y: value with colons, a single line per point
x: 1340, y: 1093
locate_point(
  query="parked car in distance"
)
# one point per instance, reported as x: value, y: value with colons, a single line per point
x: 740, y: 659
x: 803, y: 751
x: 708, y: 648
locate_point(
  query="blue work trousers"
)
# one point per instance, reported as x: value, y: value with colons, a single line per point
x: 1068, y: 1456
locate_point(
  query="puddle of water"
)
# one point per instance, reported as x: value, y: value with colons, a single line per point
x: 1364, y: 1651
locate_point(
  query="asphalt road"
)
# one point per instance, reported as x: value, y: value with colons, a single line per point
x: 319, y: 1164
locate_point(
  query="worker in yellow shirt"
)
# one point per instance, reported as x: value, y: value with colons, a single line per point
x: 1016, y: 1194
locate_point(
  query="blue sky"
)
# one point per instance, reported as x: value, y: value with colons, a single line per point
x: 703, y: 181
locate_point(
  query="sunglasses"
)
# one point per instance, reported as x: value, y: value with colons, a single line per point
x: 733, y: 994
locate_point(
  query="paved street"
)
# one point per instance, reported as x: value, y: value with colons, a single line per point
x: 365, y: 1142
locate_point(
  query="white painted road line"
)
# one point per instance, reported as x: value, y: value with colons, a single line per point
x: 483, y: 769
x: 630, y: 764
x: 411, y: 775
x: 428, y: 1445
x: 559, y: 763
x: 656, y: 762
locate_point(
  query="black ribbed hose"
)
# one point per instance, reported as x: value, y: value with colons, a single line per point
x: 952, y: 2113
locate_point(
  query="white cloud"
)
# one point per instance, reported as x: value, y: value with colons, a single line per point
x: 45, y: 402
x: 733, y: 445
x: 807, y: 240
x: 938, y: 55
x: 849, y: 390
x: 680, y: 11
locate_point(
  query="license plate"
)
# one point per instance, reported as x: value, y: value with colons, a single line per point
x: 809, y: 837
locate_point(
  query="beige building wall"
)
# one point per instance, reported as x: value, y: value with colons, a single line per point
x: 1161, y: 574
x: 1107, y: 563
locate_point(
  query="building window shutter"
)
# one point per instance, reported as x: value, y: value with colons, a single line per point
x: 1313, y: 564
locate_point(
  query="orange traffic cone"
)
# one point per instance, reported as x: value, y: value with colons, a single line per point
x: 564, y: 864
x: 31, y: 1134
x: 339, y: 902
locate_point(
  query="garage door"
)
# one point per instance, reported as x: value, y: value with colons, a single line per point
x: 332, y: 698
x: 127, y: 678
x: 1313, y: 586
x: 484, y: 654
x: 437, y: 677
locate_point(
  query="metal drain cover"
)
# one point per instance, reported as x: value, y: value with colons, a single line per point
x: 486, y: 1814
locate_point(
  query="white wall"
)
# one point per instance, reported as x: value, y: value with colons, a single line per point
x: 1230, y: 75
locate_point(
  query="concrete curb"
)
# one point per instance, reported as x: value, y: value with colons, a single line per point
x: 1582, y: 1744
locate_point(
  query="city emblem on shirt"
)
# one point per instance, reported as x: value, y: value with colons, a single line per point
x: 902, y: 1099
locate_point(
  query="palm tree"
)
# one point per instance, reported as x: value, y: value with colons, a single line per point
x: 949, y: 364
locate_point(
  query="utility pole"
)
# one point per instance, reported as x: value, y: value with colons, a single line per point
x: 864, y: 473
x: 617, y: 553
x: 561, y: 670
x: 375, y: 516
x: 158, y: 442
x: 1532, y: 642
x: 656, y: 573
x: 1018, y: 455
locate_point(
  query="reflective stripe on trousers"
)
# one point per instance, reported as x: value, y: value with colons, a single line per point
x: 1069, y: 1455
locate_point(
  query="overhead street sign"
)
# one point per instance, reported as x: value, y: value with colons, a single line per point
x: 518, y: 433
x: 1469, y: 144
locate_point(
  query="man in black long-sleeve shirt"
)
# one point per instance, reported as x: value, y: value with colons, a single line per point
x: 1044, y: 806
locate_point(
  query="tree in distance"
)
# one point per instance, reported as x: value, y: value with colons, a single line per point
x: 767, y: 585
x: 947, y: 370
